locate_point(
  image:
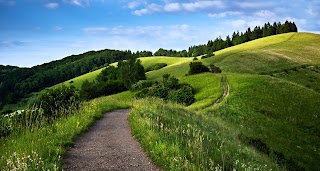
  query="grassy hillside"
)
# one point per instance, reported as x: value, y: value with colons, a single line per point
x: 272, y: 108
x: 269, y: 120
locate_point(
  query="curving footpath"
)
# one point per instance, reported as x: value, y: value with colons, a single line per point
x: 226, y: 91
x: 108, y: 145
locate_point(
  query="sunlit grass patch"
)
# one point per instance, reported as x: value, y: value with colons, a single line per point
x: 178, y: 139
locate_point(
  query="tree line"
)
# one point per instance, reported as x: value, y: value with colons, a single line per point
x: 235, y: 39
x: 17, y: 83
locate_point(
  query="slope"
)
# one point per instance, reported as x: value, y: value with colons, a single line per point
x: 272, y: 108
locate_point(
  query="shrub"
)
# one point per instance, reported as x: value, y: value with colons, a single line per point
x: 90, y: 90
x: 61, y: 98
x: 169, y: 89
x: 197, y: 67
x: 112, y: 87
x: 195, y: 59
x: 156, y: 66
x: 215, y: 69
x: 204, y: 57
x: 184, y: 95
x: 141, y: 85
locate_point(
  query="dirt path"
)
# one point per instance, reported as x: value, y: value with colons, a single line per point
x: 226, y: 91
x: 108, y: 145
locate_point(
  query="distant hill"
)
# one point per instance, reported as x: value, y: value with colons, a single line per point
x: 19, y: 82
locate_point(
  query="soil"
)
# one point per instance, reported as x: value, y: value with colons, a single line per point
x: 108, y: 145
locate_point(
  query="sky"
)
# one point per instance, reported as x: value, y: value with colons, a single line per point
x: 34, y: 32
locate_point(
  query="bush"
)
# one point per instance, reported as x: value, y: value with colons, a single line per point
x: 141, y: 85
x: 59, y: 99
x: 204, y: 57
x: 156, y: 66
x: 195, y: 59
x: 184, y: 95
x: 197, y: 67
x: 91, y: 90
x: 169, y: 89
x: 215, y: 69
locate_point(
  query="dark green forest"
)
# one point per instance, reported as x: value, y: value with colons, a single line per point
x: 17, y: 83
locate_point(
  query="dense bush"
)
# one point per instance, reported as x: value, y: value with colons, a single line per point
x: 197, y: 67
x: 156, y: 66
x: 168, y: 89
x: 59, y: 99
x: 91, y: 90
x: 184, y: 95
x: 215, y: 69
x: 141, y: 85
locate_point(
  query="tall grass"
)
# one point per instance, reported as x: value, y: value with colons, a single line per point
x: 42, y: 148
x: 178, y: 139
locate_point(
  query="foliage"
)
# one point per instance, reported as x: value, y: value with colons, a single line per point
x: 197, y: 67
x: 130, y: 72
x: 141, y: 85
x: 56, y: 100
x: 168, y: 89
x: 183, y: 95
x: 113, y: 80
x: 156, y: 66
x: 33, y: 79
x: 43, y: 147
x: 215, y: 69
x: 164, y: 52
x: 21, y: 120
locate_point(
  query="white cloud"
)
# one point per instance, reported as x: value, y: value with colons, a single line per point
x: 150, y: 37
x: 172, y: 7
x: 57, y: 28
x: 134, y: 4
x: 253, y: 4
x: 95, y: 29
x: 224, y: 14
x: 142, y: 12
x: 238, y: 23
x: 80, y: 3
x: 52, y: 5
x: 198, y: 5
x: 312, y: 12
x: 175, y: 6
x: 151, y: 8
x: 265, y: 14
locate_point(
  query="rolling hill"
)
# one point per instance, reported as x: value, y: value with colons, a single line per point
x: 269, y: 120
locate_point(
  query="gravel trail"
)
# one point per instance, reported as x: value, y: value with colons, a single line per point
x: 108, y: 145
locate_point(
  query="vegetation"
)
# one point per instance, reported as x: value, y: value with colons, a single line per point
x: 55, y: 101
x: 197, y: 67
x: 178, y: 139
x: 239, y: 38
x: 269, y: 120
x: 113, y: 80
x: 168, y: 89
x: 42, y: 147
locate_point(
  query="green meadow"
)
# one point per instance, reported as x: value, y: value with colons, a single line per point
x: 268, y: 121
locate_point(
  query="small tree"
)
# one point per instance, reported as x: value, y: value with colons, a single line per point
x: 131, y: 71
x: 197, y: 67
x: 215, y: 69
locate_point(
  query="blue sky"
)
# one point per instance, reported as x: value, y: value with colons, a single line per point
x: 33, y: 32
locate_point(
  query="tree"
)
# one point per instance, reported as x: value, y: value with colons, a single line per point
x: 197, y: 67
x: 131, y: 71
